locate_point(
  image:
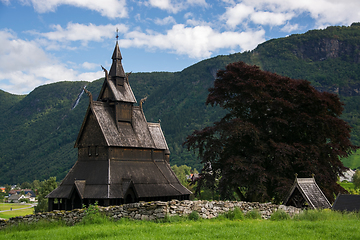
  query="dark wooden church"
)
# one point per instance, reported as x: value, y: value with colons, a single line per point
x: 121, y: 157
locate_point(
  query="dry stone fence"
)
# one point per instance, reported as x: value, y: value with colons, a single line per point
x: 157, y: 210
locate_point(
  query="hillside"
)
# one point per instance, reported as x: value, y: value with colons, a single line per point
x: 39, y: 130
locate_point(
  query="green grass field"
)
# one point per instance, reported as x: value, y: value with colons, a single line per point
x: 347, y: 185
x: 353, y: 161
x: 14, y: 212
x: 310, y: 225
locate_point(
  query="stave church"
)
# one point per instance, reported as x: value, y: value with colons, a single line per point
x: 122, y: 158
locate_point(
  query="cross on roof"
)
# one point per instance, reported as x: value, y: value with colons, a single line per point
x: 117, y: 34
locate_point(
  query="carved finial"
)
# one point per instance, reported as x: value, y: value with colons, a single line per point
x: 296, y: 175
x: 106, y: 73
x: 117, y: 34
x: 312, y: 175
x: 142, y: 101
x: 127, y: 77
x: 159, y: 120
x: 90, y: 95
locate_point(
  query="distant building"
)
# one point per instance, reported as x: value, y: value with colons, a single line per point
x: 348, y: 175
x: 15, y: 198
x: 28, y: 192
x: 18, y: 194
x: 121, y: 157
x: 2, y: 189
x: 305, y: 193
x: 347, y: 202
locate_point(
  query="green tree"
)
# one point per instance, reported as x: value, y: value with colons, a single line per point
x: 35, y: 185
x: 46, y: 187
x: 356, y: 179
x: 181, y: 172
x: 7, y: 188
x: 275, y: 127
x: 25, y: 185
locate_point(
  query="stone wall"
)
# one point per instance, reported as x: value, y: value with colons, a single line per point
x: 157, y: 210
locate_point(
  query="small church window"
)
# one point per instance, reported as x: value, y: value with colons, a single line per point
x: 89, y: 151
x: 96, y: 151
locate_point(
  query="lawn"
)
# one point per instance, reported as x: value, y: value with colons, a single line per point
x: 316, y: 225
x: 15, y: 212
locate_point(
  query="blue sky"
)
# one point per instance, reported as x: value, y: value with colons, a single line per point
x: 46, y: 41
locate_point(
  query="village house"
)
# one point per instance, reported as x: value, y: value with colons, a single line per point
x: 16, y: 195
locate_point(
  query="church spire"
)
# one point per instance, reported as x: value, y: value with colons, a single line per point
x: 117, y: 69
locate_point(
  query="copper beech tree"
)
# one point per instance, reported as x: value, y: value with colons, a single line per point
x: 274, y: 127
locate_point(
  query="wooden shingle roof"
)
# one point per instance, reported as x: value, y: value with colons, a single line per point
x: 108, y: 180
x: 347, y: 202
x: 306, y: 193
x: 139, y: 133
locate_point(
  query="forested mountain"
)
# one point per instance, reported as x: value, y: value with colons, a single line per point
x: 38, y: 130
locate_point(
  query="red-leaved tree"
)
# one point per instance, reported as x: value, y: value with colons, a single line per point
x: 275, y: 127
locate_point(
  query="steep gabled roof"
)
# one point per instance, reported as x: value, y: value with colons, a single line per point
x: 157, y: 136
x: 309, y: 191
x: 117, y: 69
x: 80, y: 187
x: 124, y: 94
x: 138, y: 134
x: 109, y: 89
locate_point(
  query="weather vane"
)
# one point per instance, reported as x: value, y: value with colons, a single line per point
x: 117, y: 34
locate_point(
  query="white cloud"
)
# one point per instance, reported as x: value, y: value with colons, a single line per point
x: 165, y: 21
x: 167, y: 5
x: 198, y: 2
x: 90, y: 66
x: 90, y: 76
x: 6, y: 2
x: 236, y: 15
x: 196, y: 42
x: 290, y: 27
x: 279, y: 12
x: 107, y: 8
x: 24, y: 66
x: 270, y: 18
x: 192, y: 21
x: 175, y: 6
x: 81, y: 32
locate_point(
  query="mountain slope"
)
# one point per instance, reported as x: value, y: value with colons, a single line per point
x: 38, y: 130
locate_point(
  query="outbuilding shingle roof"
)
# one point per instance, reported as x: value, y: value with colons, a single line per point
x: 309, y: 191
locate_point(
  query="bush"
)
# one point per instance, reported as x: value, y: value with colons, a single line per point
x: 253, y: 214
x: 234, y: 214
x: 194, y: 216
x: 356, y: 179
x: 94, y: 216
x: 279, y: 215
x: 323, y: 215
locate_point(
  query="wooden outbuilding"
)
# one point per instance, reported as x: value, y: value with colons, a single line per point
x: 305, y: 193
x: 122, y: 158
x: 347, y: 202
